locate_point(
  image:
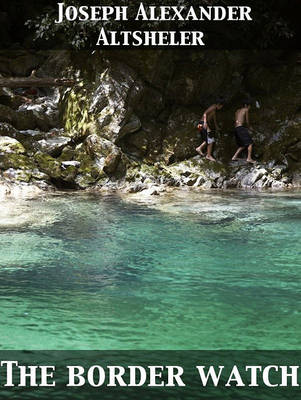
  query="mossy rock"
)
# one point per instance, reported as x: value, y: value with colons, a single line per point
x: 78, y: 121
x: 7, y: 129
x: 89, y: 167
x: 69, y: 174
x: 10, y: 145
x: 16, y: 161
x: 84, y: 181
x: 48, y: 165
x: 18, y: 175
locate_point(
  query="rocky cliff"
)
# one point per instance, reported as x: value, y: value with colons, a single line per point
x: 130, y: 123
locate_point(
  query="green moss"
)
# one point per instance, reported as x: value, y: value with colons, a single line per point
x: 16, y: 161
x: 10, y: 145
x: 18, y: 175
x: 69, y: 173
x: 78, y: 122
x: 67, y: 154
x: 48, y: 165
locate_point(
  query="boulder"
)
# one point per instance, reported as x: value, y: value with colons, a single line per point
x: 111, y: 162
x: 16, y: 161
x: 15, y: 175
x: 53, y: 146
x: 131, y: 126
x: 112, y: 103
x: 8, y: 130
x: 252, y: 177
x: 10, y: 145
x: 6, y: 114
x: 97, y: 146
x: 49, y: 165
x: 24, y: 120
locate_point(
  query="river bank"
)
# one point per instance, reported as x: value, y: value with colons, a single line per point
x: 129, y: 124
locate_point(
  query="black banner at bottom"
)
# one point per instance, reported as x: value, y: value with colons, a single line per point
x: 240, y: 375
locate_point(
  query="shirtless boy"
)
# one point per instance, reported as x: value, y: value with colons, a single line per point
x: 206, y: 128
x: 242, y: 136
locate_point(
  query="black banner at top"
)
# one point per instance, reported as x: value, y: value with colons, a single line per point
x: 213, y: 24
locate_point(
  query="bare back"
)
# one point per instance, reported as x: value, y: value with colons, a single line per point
x: 210, y: 114
x: 242, y: 117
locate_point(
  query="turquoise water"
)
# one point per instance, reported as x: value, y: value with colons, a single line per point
x: 191, y: 271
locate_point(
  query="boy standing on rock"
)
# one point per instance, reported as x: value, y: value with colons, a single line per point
x: 242, y: 136
x: 207, y: 131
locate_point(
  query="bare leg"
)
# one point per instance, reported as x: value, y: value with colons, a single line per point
x: 209, y: 152
x: 249, y: 159
x: 239, y: 150
x: 200, y: 148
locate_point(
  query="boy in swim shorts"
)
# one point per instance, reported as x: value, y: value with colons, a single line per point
x: 207, y: 131
x: 242, y: 136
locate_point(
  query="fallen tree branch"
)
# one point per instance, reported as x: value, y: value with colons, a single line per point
x: 35, y: 82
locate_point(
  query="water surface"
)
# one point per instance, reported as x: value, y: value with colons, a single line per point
x: 193, y: 271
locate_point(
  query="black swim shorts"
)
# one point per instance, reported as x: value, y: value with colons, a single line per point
x: 242, y: 136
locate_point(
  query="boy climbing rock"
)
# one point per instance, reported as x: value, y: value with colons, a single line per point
x: 242, y: 136
x: 207, y: 131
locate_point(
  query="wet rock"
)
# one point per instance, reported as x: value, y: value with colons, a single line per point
x: 296, y: 179
x: 10, y: 145
x: 190, y: 181
x: 278, y: 185
x: 207, y: 185
x: 278, y: 171
x: 146, y: 143
x: 153, y: 191
x: 136, y: 188
x: 9, y: 99
x: 90, y: 169
x: 200, y: 181
x: 262, y: 183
